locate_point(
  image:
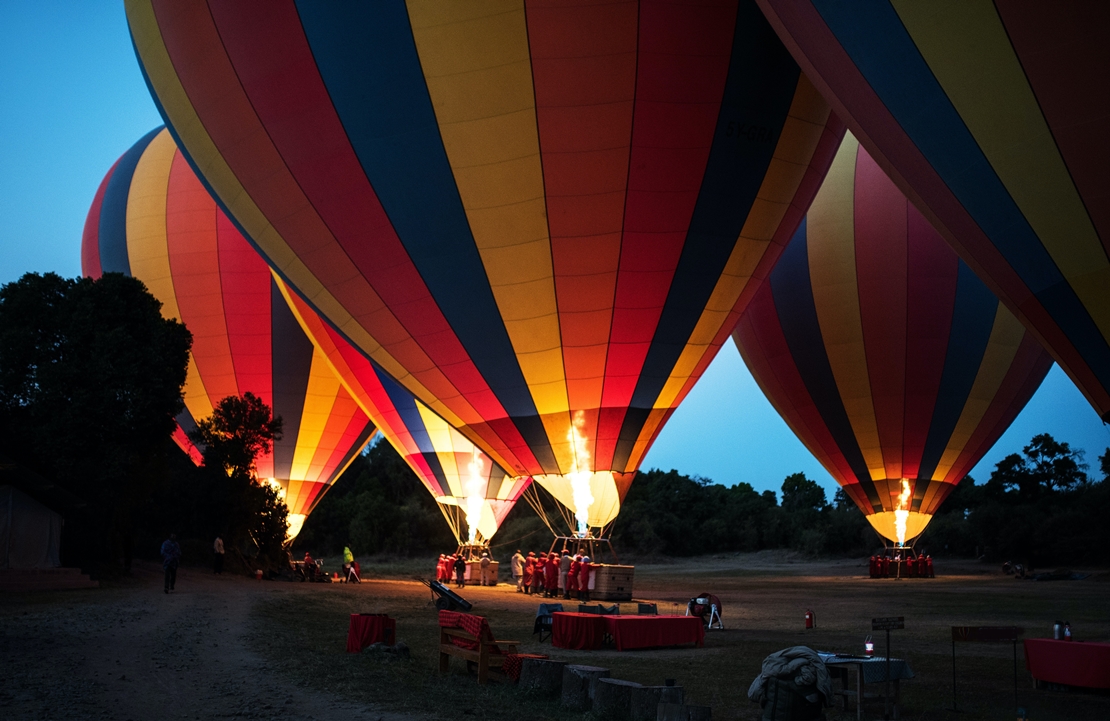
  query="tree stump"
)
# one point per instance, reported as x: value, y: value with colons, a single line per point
x: 670, y: 712
x: 579, y: 683
x: 699, y: 713
x: 613, y: 698
x: 541, y: 676
x: 645, y: 702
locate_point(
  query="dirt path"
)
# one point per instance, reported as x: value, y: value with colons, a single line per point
x: 136, y: 653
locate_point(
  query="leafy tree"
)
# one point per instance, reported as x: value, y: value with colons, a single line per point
x: 90, y: 381
x: 1045, y: 467
x: 801, y: 494
x: 239, y: 430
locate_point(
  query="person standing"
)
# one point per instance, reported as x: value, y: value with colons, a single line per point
x: 537, y: 574
x: 516, y: 563
x: 218, y: 555
x: 551, y: 576
x: 572, y: 577
x: 564, y: 572
x: 529, y: 570
x: 484, y: 565
x: 171, y: 556
x: 584, y: 579
x: 460, y: 571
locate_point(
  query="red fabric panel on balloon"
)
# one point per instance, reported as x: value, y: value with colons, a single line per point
x: 653, y: 631
x: 581, y: 631
x: 370, y: 628
x: 1068, y: 662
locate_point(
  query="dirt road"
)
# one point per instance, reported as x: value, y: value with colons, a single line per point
x: 136, y: 653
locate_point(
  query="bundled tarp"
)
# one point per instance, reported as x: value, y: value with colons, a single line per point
x: 794, y: 685
x: 30, y: 533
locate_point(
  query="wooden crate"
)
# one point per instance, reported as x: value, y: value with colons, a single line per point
x: 612, y: 583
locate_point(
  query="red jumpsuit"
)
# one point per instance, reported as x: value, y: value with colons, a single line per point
x: 551, y: 575
x: 584, y: 578
x: 529, y: 571
x: 537, y: 573
x: 572, y: 577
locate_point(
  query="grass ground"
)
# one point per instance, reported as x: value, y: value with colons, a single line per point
x: 764, y: 596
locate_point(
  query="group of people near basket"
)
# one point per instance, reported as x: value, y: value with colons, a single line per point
x: 454, y: 564
x: 552, y: 574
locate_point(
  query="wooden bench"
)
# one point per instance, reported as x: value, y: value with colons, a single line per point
x: 469, y: 637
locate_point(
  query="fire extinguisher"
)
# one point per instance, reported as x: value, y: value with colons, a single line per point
x: 811, y: 620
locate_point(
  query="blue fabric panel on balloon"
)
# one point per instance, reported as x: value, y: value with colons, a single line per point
x: 405, y: 405
x: 292, y: 364
x: 112, y: 229
x: 793, y: 294
x: 872, y: 34
x: 367, y: 58
x: 972, y: 321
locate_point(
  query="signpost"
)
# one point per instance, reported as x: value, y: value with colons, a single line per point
x: 888, y: 624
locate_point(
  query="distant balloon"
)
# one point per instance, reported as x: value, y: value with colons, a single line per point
x: 993, y: 117
x: 152, y: 219
x: 465, y: 482
x: 883, y: 352
x: 543, y: 222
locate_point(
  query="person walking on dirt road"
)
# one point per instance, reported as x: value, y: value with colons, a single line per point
x: 218, y: 555
x: 171, y: 556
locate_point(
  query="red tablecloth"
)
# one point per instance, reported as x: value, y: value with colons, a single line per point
x: 1068, y: 662
x: 514, y: 661
x: 577, y: 630
x: 369, y: 628
x: 650, y: 631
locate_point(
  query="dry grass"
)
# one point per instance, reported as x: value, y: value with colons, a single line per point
x: 765, y: 597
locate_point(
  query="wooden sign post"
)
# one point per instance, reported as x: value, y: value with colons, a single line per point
x: 887, y: 624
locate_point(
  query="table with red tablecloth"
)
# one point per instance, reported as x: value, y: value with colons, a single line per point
x: 1070, y: 663
x: 370, y: 628
x: 582, y: 631
x: 653, y: 631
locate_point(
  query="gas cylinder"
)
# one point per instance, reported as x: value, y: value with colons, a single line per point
x: 811, y: 620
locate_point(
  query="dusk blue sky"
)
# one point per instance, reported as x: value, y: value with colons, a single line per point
x: 74, y: 100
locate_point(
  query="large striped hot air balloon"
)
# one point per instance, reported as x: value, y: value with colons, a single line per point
x: 466, y: 484
x: 993, y: 117
x: 541, y: 219
x: 884, y: 353
x: 152, y: 219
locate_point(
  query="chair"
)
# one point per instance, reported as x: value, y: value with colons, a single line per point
x: 544, y: 619
x: 354, y: 573
x: 589, y: 608
x: 614, y: 610
x: 469, y: 637
x: 647, y: 609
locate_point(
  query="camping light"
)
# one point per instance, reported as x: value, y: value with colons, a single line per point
x: 868, y: 647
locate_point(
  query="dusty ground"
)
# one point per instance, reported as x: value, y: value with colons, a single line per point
x: 233, y: 647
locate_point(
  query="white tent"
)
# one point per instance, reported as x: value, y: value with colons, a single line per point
x: 30, y: 533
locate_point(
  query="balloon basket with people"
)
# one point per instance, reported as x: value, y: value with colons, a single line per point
x: 586, y: 562
x: 896, y: 560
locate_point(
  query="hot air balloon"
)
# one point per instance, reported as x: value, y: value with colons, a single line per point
x: 152, y: 219
x: 992, y: 118
x: 543, y: 220
x: 885, y: 354
x: 465, y: 483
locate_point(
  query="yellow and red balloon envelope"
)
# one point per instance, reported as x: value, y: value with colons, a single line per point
x: 886, y: 355
x: 152, y: 219
x: 993, y: 118
x: 541, y: 219
x: 465, y: 482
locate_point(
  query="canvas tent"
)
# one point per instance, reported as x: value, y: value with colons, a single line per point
x: 30, y: 533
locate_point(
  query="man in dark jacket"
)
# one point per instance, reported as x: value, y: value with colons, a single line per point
x: 171, y: 556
